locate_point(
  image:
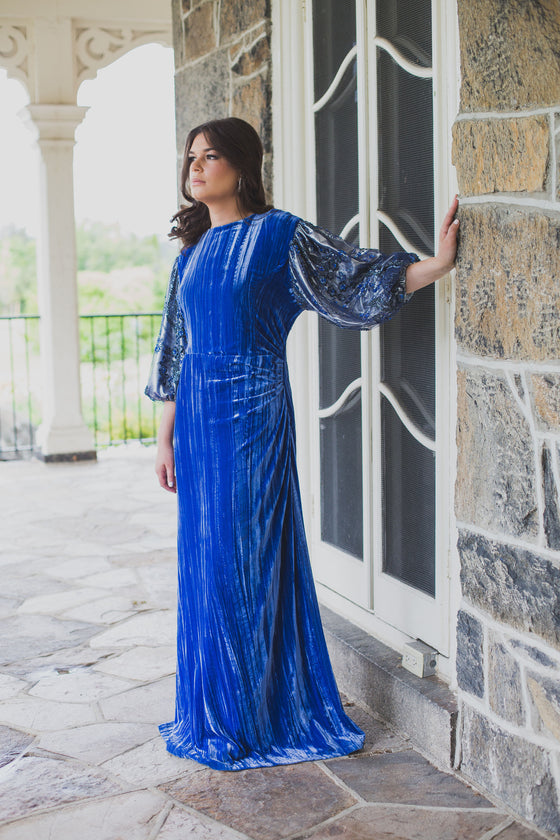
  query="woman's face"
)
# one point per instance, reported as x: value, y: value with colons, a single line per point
x: 212, y: 178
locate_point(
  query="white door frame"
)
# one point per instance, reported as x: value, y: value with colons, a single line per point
x: 294, y: 189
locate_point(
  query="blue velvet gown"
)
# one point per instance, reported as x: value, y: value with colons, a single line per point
x: 254, y: 684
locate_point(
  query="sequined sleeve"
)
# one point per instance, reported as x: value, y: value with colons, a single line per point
x: 351, y: 287
x: 171, y: 344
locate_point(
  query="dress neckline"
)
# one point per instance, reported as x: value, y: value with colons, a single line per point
x: 252, y: 217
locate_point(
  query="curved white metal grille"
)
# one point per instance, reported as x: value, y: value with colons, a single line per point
x: 398, y: 234
x: 405, y: 419
x: 413, y: 69
x: 350, y: 225
x: 339, y: 404
x: 413, y: 396
x: 332, y: 88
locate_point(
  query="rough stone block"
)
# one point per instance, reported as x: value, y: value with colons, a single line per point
x: 246, y: 41
x: 268, y: 177
x: 202, y: 93
x: 515, y: 586
x: 496, y: 485
x: 470, y: 654
x: 551, y: 500
x: 545, y: 695
x: 501, y: 155
x: 178, y: 34
x: 508, y: 291
x: 237, y: 15
x: 532, y: 653
x: 515, y: 770
x: 200, y: 36
x: 251, y: 102
x: 557, y: 142
x: 545, y: 394
x: 504, y: 683
x: 250, y: 59
x: 510, y: 54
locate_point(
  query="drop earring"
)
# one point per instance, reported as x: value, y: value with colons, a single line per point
x: 239, y: 183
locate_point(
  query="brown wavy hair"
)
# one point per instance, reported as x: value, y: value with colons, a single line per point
x: 241, y: 146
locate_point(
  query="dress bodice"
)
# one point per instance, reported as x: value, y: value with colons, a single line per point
x: 234, y: 292
x: 239, y: 289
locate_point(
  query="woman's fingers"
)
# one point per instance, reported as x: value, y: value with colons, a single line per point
x: 449, y: 223
x: 448, y: 236
x: 166, y: 476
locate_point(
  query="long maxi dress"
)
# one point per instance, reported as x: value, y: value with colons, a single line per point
x: 254, y: 683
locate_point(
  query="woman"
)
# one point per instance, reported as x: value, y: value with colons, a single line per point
x: 254, y: 683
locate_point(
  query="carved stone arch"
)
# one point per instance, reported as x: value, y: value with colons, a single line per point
x: 97, y: 46
x: 14, y: 51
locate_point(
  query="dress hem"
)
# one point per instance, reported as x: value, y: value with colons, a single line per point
x: 254, y: 761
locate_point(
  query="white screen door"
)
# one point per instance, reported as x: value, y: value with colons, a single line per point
x: 376, y: 418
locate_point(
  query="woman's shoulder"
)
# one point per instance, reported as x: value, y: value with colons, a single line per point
x: 275, y: 216
x: 278, y: 223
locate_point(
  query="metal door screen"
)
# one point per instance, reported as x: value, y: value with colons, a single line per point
x: 405, y: 208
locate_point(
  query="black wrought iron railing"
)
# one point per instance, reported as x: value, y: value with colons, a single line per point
x: 116, y: 352
x: 19, y: 384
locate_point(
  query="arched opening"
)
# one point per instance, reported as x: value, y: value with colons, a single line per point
x: 125, y: 193
x: 124, y: 160
x: 124, y: 196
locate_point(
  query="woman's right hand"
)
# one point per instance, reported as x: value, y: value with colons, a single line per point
x: 165, y: 458
x: 165, y: 467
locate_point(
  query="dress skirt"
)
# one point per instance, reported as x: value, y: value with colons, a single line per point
x: 254, y: 682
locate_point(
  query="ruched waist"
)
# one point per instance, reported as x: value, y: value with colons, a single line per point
x: 235, y: 363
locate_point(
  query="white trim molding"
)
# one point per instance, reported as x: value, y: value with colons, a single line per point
x: 96, y: 46
x: 14, y: 50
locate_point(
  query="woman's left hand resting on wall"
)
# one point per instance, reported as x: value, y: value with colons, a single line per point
x: 427, y: 271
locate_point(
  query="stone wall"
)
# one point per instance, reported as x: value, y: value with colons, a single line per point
x: 506, y: 150
x: 222, y: 66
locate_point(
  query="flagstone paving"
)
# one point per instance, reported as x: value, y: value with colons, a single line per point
x: 87, y: 660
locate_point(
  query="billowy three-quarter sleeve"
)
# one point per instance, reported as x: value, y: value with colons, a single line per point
x: 351, y: 287
x: 171, y: 343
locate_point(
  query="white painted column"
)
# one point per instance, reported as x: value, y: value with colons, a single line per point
x: 63, y: 434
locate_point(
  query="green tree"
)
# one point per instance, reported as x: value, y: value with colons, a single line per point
x: 100, y: 248
x: 18, y: 280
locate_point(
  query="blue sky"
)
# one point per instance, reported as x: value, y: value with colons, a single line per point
x: 125, y: 155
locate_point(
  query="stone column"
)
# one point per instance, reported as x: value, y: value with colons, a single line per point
x: 63, y: 434
x: 506, y: 149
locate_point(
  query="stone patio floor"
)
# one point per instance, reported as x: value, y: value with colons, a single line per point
x: 87, y: 612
